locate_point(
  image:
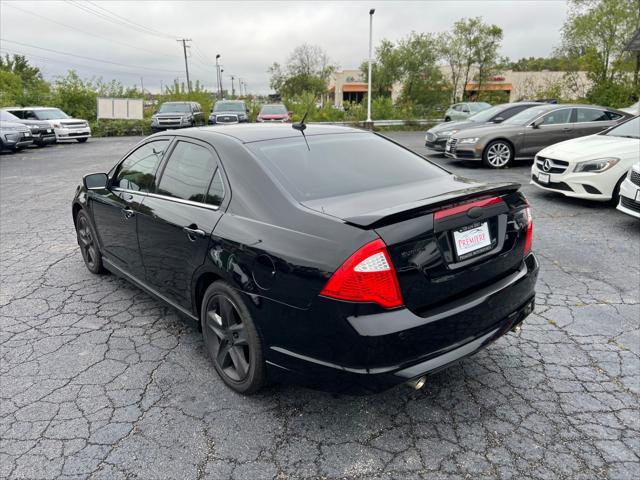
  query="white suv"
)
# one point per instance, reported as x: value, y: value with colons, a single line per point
x: 65, y: 127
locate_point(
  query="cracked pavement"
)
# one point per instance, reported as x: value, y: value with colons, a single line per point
x: 99, y: 380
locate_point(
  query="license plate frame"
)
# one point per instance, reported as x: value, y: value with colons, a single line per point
x: 544, y: 178
x: 472, y: 240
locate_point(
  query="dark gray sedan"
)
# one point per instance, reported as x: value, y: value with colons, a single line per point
x: 436, y: 137
x: 525, y: 134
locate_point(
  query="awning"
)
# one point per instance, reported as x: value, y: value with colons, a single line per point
x: 485, y: 87
x: 360, y: 87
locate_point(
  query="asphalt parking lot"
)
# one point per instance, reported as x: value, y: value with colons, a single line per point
x: 99, y: 380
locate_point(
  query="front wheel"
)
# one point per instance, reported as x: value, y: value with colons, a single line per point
x: 498, y: 154
x: 447, y: 119
x: 231, y: 339
x: 82, y: 140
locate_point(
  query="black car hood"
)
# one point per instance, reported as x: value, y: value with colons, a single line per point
x: 441, y: 127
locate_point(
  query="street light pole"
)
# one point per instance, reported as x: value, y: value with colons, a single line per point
x: 221, y: 87
x: 218, y: 76
x: 233, y: 90
x: 371, y: 12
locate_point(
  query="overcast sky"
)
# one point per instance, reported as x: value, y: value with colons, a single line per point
x: 250, y: 36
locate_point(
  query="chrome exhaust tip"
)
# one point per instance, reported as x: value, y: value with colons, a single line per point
x: 417, y: 383
x: 517, y: 329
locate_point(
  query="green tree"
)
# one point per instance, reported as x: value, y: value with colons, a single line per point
x: 34, y: 90
x: 471, y: 44
x: 76, y: 96
x: 308, y: 69
x: 386, y: 69
x: 10, y: 89
x: 596, y: 33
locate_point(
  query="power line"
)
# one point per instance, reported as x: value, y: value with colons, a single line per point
x: 117, y: 20
x: 89, y: 33
x: 144, y: 27
x: 89, y: 58
x: 90, y: 68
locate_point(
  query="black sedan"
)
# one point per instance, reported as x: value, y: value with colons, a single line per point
x: 336, y: 258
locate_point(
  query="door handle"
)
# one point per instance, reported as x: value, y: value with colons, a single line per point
x: 127, y: 212
x: 193, y: 231
x: 567, y: 129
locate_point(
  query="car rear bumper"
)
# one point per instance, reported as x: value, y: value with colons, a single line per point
x: 381, y: 350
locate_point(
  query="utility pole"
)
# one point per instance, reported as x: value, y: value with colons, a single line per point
x: 186, y: 64
x: 233, y: 90
x: 221, y: 87
x: 142, y: 86
x: 161, y: 88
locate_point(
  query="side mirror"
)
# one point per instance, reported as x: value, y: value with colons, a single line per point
x: 95, y: 181
x: 537, y: 123
x: 466, y: 110
x: 248, y: 110
x: 498, y: 120
x: 290, y: 113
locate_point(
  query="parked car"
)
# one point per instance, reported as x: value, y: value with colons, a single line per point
x: 300, y: 268
x: 630, y: 192
x: 591, y: 167
x: 41, y: 132
x: 14, y: 136
x: 275, y: 112
x: 525, y: 134
x: 436, y: 137
x: 229, y: 111
x: 64, y: 126
x: 633, y: 109
x: 177, y: 115
x: 462, y: 111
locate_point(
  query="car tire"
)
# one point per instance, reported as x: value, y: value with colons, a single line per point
x: 87, y: 240
x: 447, y: 119
x: 497, y: 154
x: 615, y: 195
x: 231, y: 339
x: 82, y: 140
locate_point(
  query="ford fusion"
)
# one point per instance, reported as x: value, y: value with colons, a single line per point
x: 325, y: 256
x: 591, y: 167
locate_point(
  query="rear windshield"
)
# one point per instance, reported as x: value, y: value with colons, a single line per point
x: 341, y: 164
x: 273, y: 110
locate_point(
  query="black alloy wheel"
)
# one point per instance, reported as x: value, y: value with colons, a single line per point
x: 88, y: 247
x: 231, y: 339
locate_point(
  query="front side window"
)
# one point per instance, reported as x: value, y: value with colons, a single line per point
x: 591, y: 115
x: 137, y: 171
x: 188, y: 172
x: 557, y: 117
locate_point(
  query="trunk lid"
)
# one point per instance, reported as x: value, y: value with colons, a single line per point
x: 459, y: 237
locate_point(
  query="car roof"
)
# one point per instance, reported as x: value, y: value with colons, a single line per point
x: 248, y: 133
x: 230, y: 101
x: 30, y: 108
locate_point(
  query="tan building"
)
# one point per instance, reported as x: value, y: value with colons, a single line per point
x: 509, y: 86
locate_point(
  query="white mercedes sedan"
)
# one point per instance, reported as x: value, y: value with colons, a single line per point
x: 591, y: 167
x: 630, y: 193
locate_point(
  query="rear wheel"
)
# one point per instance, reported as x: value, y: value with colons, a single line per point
x: 88, y: 245
x: 82, y: 140
x: 498, y: 154
x: 231, y: 339
x: 447, y: 119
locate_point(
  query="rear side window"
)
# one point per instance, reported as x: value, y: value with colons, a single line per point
x: 614, y: 116
x: 188, y: 172
x: 513, y: 111
x: 341, y: 164
x: 215, y: 195
x: 137, y: 171
x: 591, y: 115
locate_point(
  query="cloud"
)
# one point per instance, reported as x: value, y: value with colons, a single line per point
x: 248, y: 35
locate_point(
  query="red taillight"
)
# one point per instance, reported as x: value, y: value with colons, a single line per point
x: 366, y: 276
x: 529, y: 237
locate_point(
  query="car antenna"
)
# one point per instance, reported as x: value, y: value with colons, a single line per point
x: 301, y: 126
